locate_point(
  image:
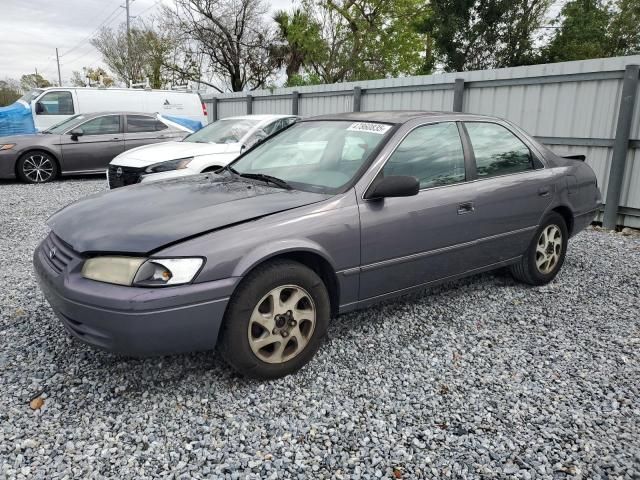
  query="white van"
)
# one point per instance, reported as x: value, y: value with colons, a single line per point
x: 53, y: 105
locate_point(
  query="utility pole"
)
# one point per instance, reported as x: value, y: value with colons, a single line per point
x: 36, y: 78
x: 59, y: 76
x: 128, y: 42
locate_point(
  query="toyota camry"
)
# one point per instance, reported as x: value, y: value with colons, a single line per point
x: 332, y: 214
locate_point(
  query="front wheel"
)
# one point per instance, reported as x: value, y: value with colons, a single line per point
x: 37, y: 167
x: 275, y: 321
x: 546, y: 253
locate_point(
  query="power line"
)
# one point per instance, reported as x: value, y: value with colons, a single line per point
x: 109, y: 19
x: 155, y: 4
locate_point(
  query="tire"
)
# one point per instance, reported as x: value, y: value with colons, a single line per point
x: 261, y: 340
x: 37, y: 167
x: 544, y: 258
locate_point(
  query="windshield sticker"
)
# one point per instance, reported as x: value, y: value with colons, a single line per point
x: 378, y: 128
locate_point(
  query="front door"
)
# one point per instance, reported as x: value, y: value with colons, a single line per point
x: 100, y: 141
x: 410, y: 241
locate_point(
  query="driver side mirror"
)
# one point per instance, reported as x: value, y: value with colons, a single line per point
x: 75, y: 133
x: 39, y: 108
x: 393, y: 186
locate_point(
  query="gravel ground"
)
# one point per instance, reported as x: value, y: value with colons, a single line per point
x: 482, y: 378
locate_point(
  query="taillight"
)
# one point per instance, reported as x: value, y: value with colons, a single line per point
x: 204, y: 109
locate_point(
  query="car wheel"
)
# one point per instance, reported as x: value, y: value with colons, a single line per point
x: 545, y: 255
x: 37, y: 167
x: 275, y: 320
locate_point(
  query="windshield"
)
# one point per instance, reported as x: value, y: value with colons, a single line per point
x: 318, y: 156
x: 63, y: 126
x: 223, y: 131
x: 31, y: 95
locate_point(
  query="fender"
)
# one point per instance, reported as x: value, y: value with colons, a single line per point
x: 270, y: 250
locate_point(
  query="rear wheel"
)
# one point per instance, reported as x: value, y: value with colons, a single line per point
x: 546, y: 253
x: 37, y: 167
x: 275, y: 321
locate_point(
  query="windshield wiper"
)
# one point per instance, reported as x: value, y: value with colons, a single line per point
x: 265, y: 178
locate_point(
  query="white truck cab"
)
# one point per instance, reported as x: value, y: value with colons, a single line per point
x: 50, y: 106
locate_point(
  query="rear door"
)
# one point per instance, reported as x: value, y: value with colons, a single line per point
x: 513, y: 190
x: 101, y: 140
x: 145, y: 129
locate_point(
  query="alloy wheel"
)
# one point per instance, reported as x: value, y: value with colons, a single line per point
x: 38, y: 168
x: 548, y: 249
x: 281, y: 324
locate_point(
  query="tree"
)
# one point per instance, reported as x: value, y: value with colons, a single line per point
x: 90, y: 77
x: 583, y: 32
x: 32, y: 80
x: 624, y: 33
x: 232, y: 37
x: 298, y: 44
x: 9, y: 91
x: 470, y: 35
x: 150, y: 51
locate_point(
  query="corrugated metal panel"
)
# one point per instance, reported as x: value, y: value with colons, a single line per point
x: 266, y: 105
x: 419, y: 100
x: 310, y: 106
x: 230, y: 109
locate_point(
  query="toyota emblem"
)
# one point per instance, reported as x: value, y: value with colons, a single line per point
x: 119, y: 172
x: 52, y: 253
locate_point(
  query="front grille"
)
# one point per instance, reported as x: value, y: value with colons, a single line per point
x: 123, y: 176
x: 57, y: 253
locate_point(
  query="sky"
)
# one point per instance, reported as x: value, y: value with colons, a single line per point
x: 32, y: 29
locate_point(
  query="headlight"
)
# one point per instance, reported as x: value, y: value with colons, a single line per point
x: 142, y: 272
x: 7, y: 146
x: 177, y: 164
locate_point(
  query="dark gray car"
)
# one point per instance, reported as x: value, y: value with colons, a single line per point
x: 82, y: 144
x: 333, y: 214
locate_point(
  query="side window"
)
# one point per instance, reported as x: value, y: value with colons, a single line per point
x: 433, y: 154
x: 55, y: 103
x: 142, y: 123
x: 109, y: 124
x: 273, y: 127
x: 497, y: 150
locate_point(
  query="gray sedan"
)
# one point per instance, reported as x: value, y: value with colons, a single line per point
x: 333, y: 214
x: 82, y: 144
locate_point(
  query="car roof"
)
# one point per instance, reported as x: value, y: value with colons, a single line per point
x: 257, y: 117
x: 98, y: 114
x: 394, y: 116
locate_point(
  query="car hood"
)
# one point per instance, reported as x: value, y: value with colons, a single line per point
x: 161, y: 152
x: 143, y: 218
x: 28, y: 138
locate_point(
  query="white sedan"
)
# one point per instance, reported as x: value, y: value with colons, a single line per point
x: 206, y: 150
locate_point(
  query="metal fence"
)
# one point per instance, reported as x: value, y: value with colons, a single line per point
x: 588, y: 107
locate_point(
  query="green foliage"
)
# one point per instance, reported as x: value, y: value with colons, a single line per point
x: 470, y: 35
x: 583, y: 32
x: 300, y: 80
x: 31, y: 80
x: 9, y: 91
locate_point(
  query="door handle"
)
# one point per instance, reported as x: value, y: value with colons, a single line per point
x: 466, y: 207
x: 544, y: 191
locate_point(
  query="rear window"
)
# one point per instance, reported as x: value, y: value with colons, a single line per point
x: 143, y: 123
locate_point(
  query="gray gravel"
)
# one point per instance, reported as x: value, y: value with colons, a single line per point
x: 482, y: 378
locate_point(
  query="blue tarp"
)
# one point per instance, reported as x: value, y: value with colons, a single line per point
x: 193, y: 125
x: 16, y: 119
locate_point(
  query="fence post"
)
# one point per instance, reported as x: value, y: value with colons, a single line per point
x: 249, y: 104
x: 620, y: 146
x: 214, y: 109
x: 357, y: 98
x: 295, y: 97
x: 458, y: 94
